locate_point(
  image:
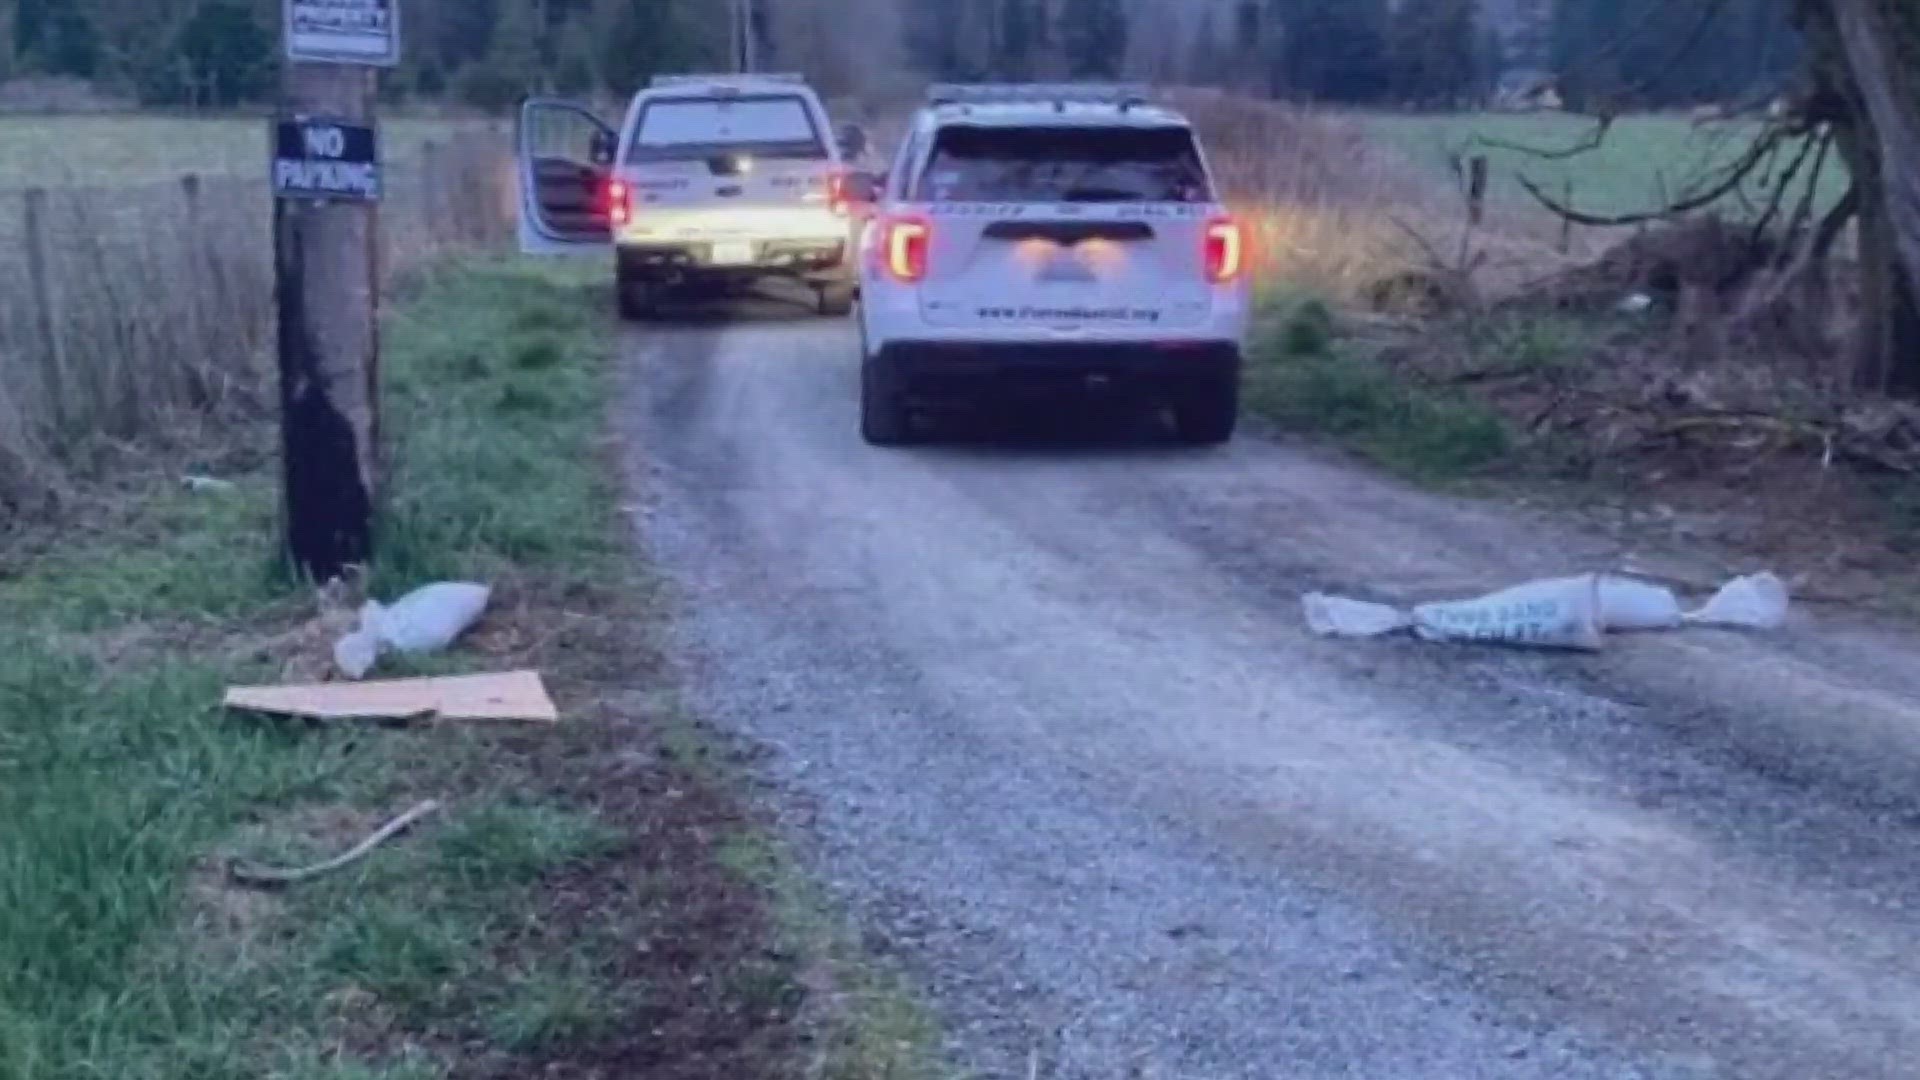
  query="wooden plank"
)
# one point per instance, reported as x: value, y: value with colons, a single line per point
x: 517, y: 695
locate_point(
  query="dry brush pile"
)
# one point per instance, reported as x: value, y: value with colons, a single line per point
x: 137, y: 321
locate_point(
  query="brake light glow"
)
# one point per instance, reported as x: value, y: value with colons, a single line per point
x: 904, y: 248
x: 1226, y: 250
x: 619, y: 203
x: 837, y: 193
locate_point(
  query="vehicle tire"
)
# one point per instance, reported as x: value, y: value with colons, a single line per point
x: 885, y: 420
x: 637, y: 298
x: 1208, y: 414
x: 836, y: 301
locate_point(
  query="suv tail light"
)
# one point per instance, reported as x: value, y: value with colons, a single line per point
x: 903, y: 248
x: 619, y: 203
x: 1226, y: 252
x: 837, y: 193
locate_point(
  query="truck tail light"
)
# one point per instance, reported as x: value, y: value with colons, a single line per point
x: 619, y: 203
x: 1226, y: 250
x: 903, y: 247
x: 837, y: 193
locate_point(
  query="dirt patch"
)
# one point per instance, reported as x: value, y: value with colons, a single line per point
x: 685, y: 943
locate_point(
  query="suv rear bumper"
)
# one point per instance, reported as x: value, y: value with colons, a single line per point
x: 678, y: 263
x: 929, y: 372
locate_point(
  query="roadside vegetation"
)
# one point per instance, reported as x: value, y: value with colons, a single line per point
x: 592, y: 899
x: 1646, y: 160
x: 135, y: 316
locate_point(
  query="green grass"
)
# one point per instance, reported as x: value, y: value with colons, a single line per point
x: 1306, y: 377
x: 117, y: 151
x: 501, y: 934
x: 1644, y: 160
x: 120, y: 779
x: 884, y: 1031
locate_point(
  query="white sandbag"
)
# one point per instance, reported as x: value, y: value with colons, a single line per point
x: 1629, y: 605
x: 1563, y: 613
x: 427, y: 620
x: 1758, y: 602
x: 1333, y: 616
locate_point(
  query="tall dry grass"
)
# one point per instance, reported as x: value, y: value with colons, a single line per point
x: 136, y: 320
x: 1336, y: 213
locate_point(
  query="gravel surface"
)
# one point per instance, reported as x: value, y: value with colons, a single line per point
x: 1045, y: 716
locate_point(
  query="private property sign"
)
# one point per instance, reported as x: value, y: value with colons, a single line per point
x: 344, y: 31
x: 325, y: 159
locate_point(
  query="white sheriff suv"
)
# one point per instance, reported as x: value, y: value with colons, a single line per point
x: 713, y: 181
x: 1041, y: 238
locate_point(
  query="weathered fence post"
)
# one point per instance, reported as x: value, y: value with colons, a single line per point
x: 197, y: 317
x: 1477, y: 191
x: 48, y: 324
x: 433, y: 164
x: 1566, y: 223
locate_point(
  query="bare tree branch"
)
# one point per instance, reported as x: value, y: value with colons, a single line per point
x: 1595, y: 139
x: 1777, y: 196
x: 1732, y: 177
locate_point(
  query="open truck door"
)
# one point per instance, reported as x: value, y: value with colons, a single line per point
x: 567, y: 179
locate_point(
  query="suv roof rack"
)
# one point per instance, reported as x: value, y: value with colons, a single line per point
x: 1123, y: 95
x: 726, y: 77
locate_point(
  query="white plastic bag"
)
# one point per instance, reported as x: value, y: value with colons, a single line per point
x: 1563, y: 613
x: 1332, y: 616
x: 1758, y: 602
x: 1627, y: 604
x: 426, y: 620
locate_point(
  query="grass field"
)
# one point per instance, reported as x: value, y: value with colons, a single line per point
x: 112, y: 151
x: 1644, y: 161
x: 582, y: 906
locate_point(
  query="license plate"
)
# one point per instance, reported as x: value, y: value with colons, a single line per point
x: 732, y: 254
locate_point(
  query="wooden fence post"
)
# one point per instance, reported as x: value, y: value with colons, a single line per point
x: 48, y: 323
x: 196, y: 272
x: 1477, y: 191
x: 433, y: 165
x: 1566, y: 223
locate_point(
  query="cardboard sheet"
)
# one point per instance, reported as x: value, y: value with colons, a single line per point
x: 518, y: 695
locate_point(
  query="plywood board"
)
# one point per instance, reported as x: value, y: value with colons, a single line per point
x: 517, y: 695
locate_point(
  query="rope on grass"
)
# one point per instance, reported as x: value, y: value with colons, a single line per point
x: 267, y: 878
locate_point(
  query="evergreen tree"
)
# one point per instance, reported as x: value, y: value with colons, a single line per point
x: 56, y: 37
x: 513, y: 64
x: 1433, y: 50
x: 1018, y: 47
x: 228, y: 56
x: 1335, y: 50
x: 1093, y: 38
x: 1658, y: 53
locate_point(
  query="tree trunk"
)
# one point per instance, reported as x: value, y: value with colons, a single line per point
x: 1868, y: 49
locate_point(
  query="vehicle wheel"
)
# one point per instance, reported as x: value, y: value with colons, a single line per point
x: 638, y: 300
x: 1208, y: 414
x: 836, y: 301
x: 884, y: 419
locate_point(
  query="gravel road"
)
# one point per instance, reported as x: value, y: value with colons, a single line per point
x: 1045, y: 716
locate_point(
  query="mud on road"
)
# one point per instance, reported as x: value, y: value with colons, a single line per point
x: 1045, y: 716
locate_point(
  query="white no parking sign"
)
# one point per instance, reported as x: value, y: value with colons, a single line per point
x: 344, y: 31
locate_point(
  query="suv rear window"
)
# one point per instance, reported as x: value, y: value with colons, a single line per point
x: 772, y: 126
x: 1056, y: 164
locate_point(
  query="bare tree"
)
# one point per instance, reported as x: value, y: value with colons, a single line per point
x: 1865, y: 60
x: 1860, y: 95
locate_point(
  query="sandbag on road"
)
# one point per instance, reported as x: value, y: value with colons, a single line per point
x: 1559, y: 613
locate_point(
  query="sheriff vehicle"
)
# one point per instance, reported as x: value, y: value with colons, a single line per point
x: 1043, y: 238
x: 712, y: 181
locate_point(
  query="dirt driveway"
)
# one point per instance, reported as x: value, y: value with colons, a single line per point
x: 1047, y: 719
